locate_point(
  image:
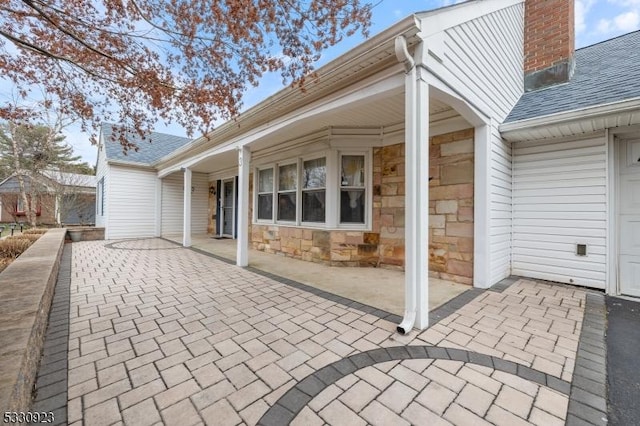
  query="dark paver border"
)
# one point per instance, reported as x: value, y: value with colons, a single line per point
x: 588, y: 398
x: 289, y: 405
x: 50, y: 393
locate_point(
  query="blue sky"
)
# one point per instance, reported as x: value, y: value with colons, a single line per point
x: 596, y: 20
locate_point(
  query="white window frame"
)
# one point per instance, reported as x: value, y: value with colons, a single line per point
x: 368, y: 190
x: 256, y: 185
x: 312, y: 157
x: 277, y: 192
x: 332, y: 189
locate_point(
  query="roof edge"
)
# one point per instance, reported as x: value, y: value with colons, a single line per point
x: 570, y: 116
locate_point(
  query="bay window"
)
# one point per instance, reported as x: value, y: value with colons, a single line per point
x: 329, y: 191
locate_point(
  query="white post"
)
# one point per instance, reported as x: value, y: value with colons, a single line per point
x: 417, y: 161
x: 482, y: 206
x: 186, y: 223
x: 158, y: 208
x: 244, y: 162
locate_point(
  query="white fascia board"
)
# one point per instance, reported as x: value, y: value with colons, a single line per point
x: 514, y: 130
x: 131, y: 164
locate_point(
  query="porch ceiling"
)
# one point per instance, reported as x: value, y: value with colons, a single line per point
x: 372, y: 112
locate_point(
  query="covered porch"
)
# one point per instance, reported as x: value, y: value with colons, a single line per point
x: 376, y: 287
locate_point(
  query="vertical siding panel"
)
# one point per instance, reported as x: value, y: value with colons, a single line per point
x: 172, y: 201
x: 559, y: 200
x: 132, y: 195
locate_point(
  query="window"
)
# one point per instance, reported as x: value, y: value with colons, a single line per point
x: 323, y: 190
x: 352, y: 189
x: 314, y: 178
x: 287, y: 192
x: 20, y: 208
x: 265, y: 194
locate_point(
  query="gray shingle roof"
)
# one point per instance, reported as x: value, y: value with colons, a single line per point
x: 605, y: 72
x: 152, y: 148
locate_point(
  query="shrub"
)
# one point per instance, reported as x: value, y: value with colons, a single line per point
x: 34, y: 231
x: 12, y: 247
x: 4, y: 262
x: 30, y: 237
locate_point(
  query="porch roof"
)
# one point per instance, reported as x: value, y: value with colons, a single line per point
x: 335, y: 78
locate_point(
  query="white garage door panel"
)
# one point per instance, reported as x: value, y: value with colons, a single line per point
x: 629, y: 217
x: 630, y: 275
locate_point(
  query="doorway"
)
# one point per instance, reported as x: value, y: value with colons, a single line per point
x: 228, y: 208
x: 629, y: 216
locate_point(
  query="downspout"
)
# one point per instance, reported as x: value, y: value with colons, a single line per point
x: 410, y: 289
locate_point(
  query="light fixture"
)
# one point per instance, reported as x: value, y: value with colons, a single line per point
x: 212, y: 190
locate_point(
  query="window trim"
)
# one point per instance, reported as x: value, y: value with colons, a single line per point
x: 332, y: 190
x: 277, y: 192
x: 256, y: 185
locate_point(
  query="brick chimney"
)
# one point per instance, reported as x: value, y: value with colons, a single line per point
x: 549, y: 42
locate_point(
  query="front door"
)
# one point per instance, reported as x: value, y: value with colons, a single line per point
x: 629, y: 217
x: 228, y: 207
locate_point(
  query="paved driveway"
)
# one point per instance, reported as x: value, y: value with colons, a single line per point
x: 162, y: 334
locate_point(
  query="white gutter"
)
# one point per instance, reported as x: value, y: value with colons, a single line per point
x: 565, y: 117
x: 410, y: 284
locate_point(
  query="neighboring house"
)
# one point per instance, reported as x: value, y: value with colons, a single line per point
x: 532, y: 166
x: 61, y: 198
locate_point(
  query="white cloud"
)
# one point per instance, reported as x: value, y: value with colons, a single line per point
x: 582, y: 9
x: 627, y: 21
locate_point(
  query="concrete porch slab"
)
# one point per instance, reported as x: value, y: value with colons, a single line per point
x: 377, y: 287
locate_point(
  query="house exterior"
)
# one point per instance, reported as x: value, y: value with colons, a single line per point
x: 61, y: 198
x: 128, y: 191
x: 524, y: 172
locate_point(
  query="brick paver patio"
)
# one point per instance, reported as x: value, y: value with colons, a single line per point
x: 162, y: 334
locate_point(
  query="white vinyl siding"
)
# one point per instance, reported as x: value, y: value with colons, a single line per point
x: 483, y: 60
x: 173, y: 204
x: 500, y: 188
x: 131, y: 198
x: 560, y: 200
x: 199, y: 203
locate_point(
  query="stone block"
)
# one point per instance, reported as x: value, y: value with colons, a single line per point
x: 446, y: 206
x: 393, y: 201
x: 440, y: 139
x: 321, y: 239
x: 458, y: 267
x: 389, y: 189
x: 437, y: 221
x: 398, y: 218
x: 464, y: 146
x: 459, y: 230
x: 451, y: 192
x: 465, y: 214
x: 463, y: 134
x: 452, y: 174
x: 371, y: 238
x: 307, y: 234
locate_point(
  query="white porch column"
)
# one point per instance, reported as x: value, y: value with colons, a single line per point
x: 417, y: 163
x: 186, y: 223
x: 244, y: 161
x: 482, y: 207
x: 416, y: 191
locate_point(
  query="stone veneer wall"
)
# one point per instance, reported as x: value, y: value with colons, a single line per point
x: 450, y: 210
x: 451, y: 206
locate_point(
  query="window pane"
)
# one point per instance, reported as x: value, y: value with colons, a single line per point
x: 315, y: 173
x: 265, y: 206
x: 352, y: 206
x: 313, y: 206
x: 287, y: 206
x: 353, y: 170
x: 265, y: 178
x: 288, y: 177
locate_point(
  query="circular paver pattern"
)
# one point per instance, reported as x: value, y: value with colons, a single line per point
x: 143, y: 244
x: 419, y: 384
